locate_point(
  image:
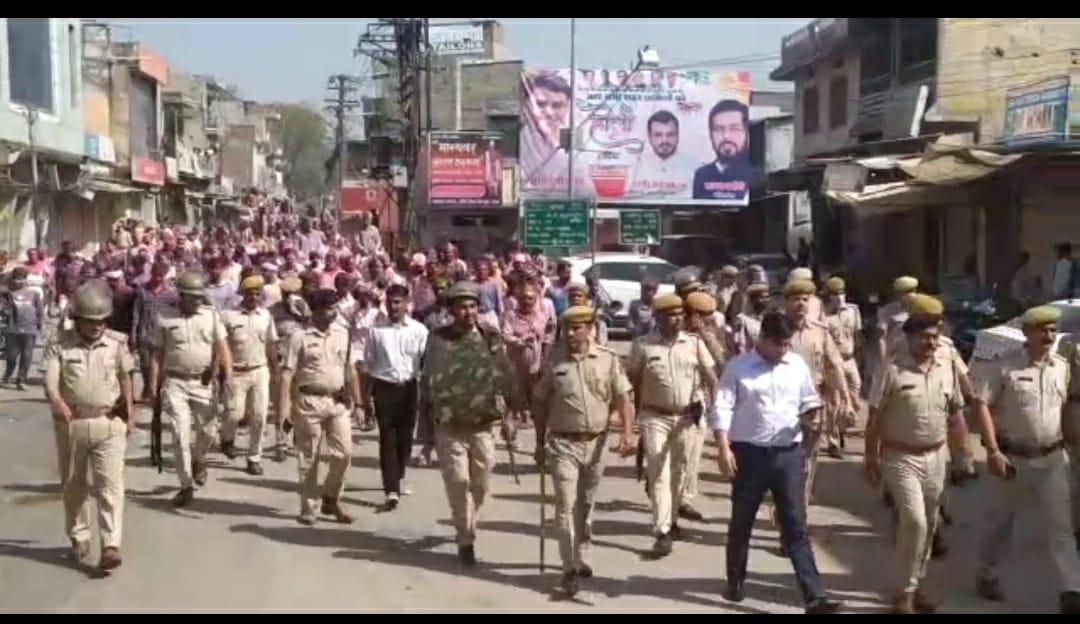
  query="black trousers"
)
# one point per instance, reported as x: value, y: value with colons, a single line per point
x: 395, y: 411
x: 779, y: 470
x: 20, y: 350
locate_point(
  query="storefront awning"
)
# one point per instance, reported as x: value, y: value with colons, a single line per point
x: 105, y: 186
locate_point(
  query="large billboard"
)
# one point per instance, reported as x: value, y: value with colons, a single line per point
x: 1037, y: 113
x: 648, y: 137
x: 455, y: 39
x: 464, y: 170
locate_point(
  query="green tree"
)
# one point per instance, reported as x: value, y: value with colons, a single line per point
x: 305, y: 149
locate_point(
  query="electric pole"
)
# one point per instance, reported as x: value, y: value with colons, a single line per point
x: 342, y: 90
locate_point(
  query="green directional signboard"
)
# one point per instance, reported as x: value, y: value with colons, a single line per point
x: 639, y: 227
x: 556, y: 223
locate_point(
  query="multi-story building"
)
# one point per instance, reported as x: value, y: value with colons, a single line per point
x: 41, y: 122
x: 903, y: 142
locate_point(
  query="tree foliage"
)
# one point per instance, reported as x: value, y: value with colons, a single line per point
x: 305, y: 149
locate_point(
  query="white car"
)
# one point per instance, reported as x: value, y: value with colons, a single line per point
x: 993, y: 342
x: 620, y: 275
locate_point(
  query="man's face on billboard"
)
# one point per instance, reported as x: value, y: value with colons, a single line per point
x: 728, y: 135
x: 549, y: 109
x: 664, y: 138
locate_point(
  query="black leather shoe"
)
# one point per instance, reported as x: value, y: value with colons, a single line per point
x: 662, y: 547
x: 184, y: 497
x: 734, y: 592
x: 823, y: 606
x: 279, y: 453
x: 467, y: 555
x: 1070, y: 603
x: 228, y: 449
x: 688, y: 512
x: 989, y: 588
x: 254, y: 468
x: 570, y: 584
x: 676, y: 532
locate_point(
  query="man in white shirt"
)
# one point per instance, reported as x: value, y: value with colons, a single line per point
x: 765, y: 399
x: 1061, y: 277
x: 663, y: 169
x: 392, y: 362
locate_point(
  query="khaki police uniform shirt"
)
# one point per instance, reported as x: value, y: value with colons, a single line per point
x: 671, y: 374
x: 1025, y: 397
x: 576, y: 391
x: 249, y: 333
x: 187, y: 341
x: 724, y: 295
x: 946, y: 349
x: 914, y: 403
x: 318, y: 358
x: 816, y: 346
x: 89, y: 373
x: 844, y: 325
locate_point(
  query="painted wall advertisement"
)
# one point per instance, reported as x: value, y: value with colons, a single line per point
x: 647, y: 137
x: 1038, y: 112
x: 465, y: 171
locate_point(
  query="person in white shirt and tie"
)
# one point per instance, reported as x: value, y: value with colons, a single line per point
x: 392, y: 355
x: 764, y: 398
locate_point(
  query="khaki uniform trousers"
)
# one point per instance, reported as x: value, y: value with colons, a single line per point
x: 80, y: 530
x: 466, y: 458
x: 248, y: 395
x: 668, y: 441
x: 695, y: 446
x: 915, y: 481
x: 186, y: 402
x: 97, y: 448
x: 836, y: 419
x: 576, y: 467
x: 1042, y: 486
x: 319, y: 418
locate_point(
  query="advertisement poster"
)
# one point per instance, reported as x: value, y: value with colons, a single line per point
x: 1038, y: 112
x: 648, y: 137
x: 465, y: 170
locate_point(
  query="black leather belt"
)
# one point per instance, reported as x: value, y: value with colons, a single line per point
x: 394, y: 384
x: 247, y: 369
x: 1029, y: 452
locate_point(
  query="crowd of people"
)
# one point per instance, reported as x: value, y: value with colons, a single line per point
x: 280, y: 320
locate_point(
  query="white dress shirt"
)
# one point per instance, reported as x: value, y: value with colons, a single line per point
x: 393, y: 350
x: 760, y: 403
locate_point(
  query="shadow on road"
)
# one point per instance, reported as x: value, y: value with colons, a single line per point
x: 60, y: 556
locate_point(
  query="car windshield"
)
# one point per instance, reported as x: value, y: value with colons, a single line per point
x: 635, y: 271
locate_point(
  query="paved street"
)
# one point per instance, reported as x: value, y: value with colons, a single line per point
x: 239, y: 547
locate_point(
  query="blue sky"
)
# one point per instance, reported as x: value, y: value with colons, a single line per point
x: 290, y: 59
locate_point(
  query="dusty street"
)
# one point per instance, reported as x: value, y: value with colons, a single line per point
x: 239, y: 547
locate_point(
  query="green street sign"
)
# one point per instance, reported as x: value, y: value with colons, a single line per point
x: 639, y: 227
x: 557, y: 223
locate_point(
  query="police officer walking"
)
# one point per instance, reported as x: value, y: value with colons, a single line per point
x: 88, y: 384
x: 911, y: 403
x: 466, y: 379
x: 187, y: 344
x: 581, y: 384
x: 672, y: 374
x: 290, y: 314
x: 318, y: 382
x: 845, y: 327
x: 1019, y: 399
x: 252, y: 339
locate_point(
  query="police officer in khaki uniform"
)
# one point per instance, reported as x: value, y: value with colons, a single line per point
x: 815, y: 310
x: 88, y: 385
x: 318, y: 383
x: 252, y: 339
x: 582, y: 383
x: 290, y: 315
x: 699, y: 310
x: 726, y: 289
x: 1019, y: 399
x: 911, y: 403
x: 672, y: 373
x: 467, y: 382
x: 891, y: 316
x: 187, y: 344
x: 845, y: 326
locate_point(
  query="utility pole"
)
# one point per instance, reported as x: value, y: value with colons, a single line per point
x: 342, y: 89
x: 32, y: 209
